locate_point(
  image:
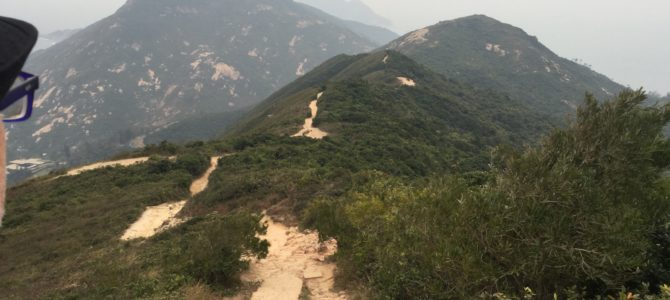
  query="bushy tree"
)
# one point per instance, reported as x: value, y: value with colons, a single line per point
x: 582, y: 211
x: 217, y: 249
x: 579, y: 209
x: 195, y: 163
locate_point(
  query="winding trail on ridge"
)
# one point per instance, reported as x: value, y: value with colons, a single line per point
x: 295, y: 259
x: 308, y: 130
x: 100, y: 165
x: 162, y: 217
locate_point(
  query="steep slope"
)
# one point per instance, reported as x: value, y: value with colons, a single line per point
x: 50, y: 39
x: 375, y: 33
x: 354, y: 10
x: 373, y: 121
x: 202, y: 127
x: 60, y: 234
x: 156, y: 62
x: 487, y: 53
x: 385, y: 91
x: 382, y: 112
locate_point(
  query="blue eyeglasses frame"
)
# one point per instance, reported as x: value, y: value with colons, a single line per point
x: 25, y: 89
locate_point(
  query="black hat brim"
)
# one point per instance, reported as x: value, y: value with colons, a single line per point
x: 17, y: 39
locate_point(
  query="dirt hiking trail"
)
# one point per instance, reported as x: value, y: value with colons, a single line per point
x: 201, y: 183
x: 162, y: 217
x: 100, y: 165
x: 295, y: 259
x: 308, y: 130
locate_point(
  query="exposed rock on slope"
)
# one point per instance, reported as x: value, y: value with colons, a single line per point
x: 155, y: 62
x: 487, y: 53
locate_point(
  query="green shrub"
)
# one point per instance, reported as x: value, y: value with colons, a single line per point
x: 160, y: 165
x: 195, y: 163
x: 587, y: 209
x: 584, y: 205
x: 214, y: 251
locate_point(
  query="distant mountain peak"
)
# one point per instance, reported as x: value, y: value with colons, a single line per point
x: 488, y: 53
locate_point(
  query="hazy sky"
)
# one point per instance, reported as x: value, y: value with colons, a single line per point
x: 627, y: 40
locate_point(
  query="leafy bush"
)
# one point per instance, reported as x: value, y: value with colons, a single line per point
x: 195, y: 163
x: 68, y: 229
x: 583, y: 210
x: 215, y: 251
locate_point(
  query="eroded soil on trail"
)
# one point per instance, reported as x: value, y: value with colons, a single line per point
x: 100, y: 165
x: 162, y: 217
x: 308, y: 129
x: 295, y: 259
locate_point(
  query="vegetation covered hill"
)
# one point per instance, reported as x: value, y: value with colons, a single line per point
x: 64, y: 232
x: 581, y: 216
x: 374, y: 123
x: 364, y: 93
x: 61, y: 239
x: 422, y: 180
x: 487, y: 53
x: 153, y: 63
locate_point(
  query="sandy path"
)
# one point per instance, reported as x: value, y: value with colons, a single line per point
x: 308, y: 129
x: 100, y: 165
x: 162, y: 217
x: 295, y: 258
x: 153, y: 219
x: 116, y: 163
x: 201, y: 183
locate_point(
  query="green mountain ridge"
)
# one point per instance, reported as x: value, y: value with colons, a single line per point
x: 376, y: 124
x: 436, y: 186
x: 447, y: 106
x: 485, y: 52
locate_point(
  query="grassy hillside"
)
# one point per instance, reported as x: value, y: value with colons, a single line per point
x: 439, y: 126
x: 61, y: 235
x: 207, y: 126
x: 362, y: 91
x: 581, y: 216
x: 427, y: 188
